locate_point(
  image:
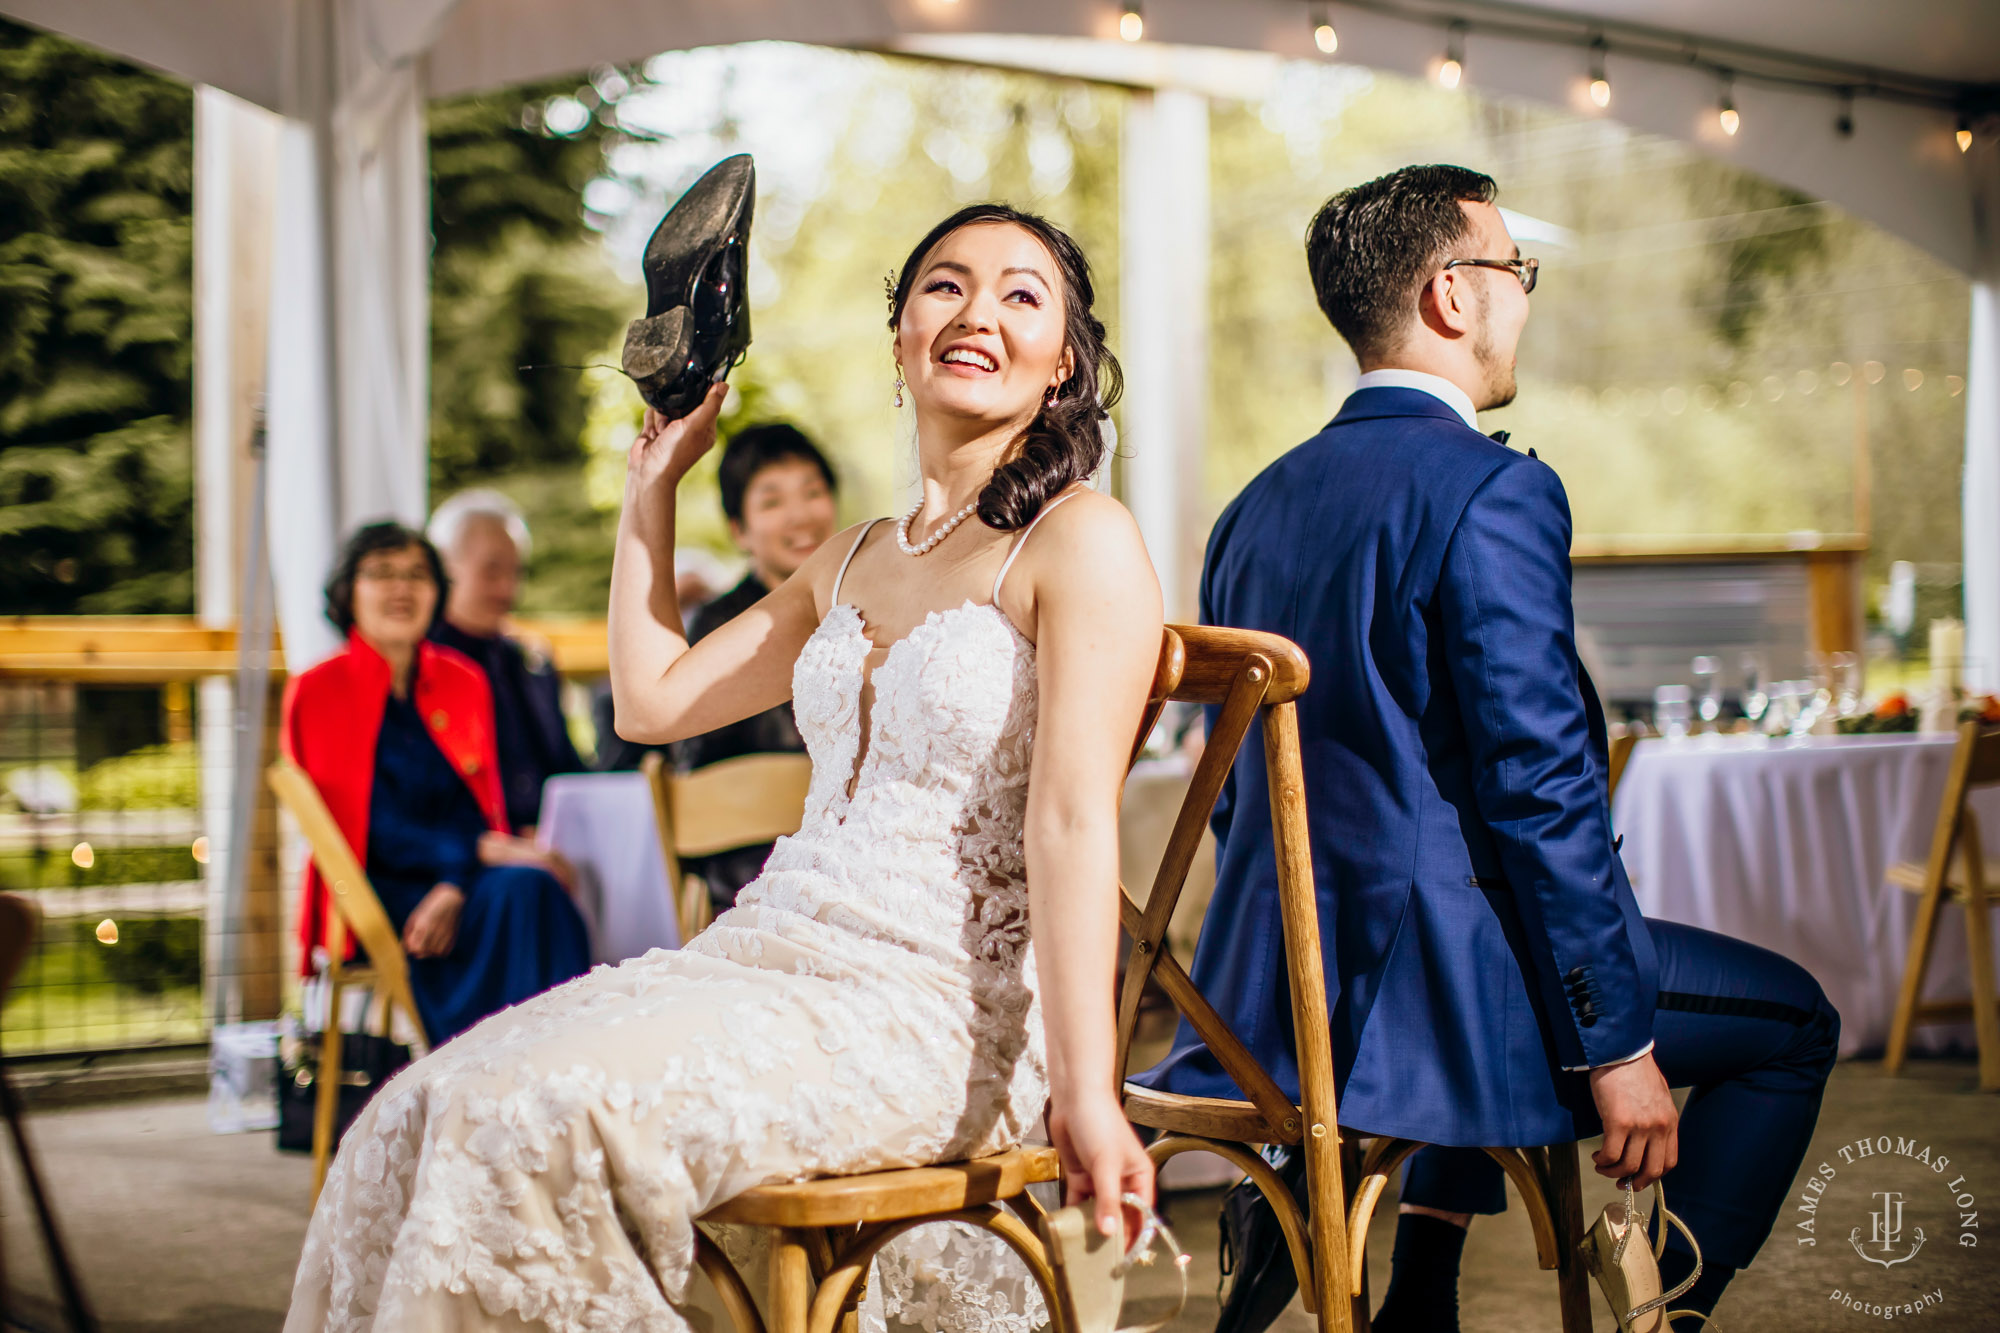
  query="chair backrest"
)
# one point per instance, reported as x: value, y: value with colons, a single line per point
x: 740, y: 802
x: 355, y: 906
x: 1247, y: 675
x: 1621, y: 748
x: 1975, y: 763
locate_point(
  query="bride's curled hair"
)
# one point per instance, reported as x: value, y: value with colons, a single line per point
x: 1063, y: 444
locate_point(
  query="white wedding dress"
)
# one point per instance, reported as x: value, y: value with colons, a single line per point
x: 869, y: 1002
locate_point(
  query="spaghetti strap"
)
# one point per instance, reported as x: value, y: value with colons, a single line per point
x: 852, y: 551
x: 1022, y: 540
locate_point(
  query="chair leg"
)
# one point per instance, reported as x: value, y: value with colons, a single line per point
x: 1923, y: 934
x: 1326, y: 1217
x: 1985, y: 1007
x: 1565, y: 1177
x: 791, y: 1282
x: 81, y: 1319
x: 1350, y: 1177
x: 326, y: 1103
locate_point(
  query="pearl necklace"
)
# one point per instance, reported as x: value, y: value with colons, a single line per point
x: 945, y: 529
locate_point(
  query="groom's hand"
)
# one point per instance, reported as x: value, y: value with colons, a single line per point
x: 1641, y: 1123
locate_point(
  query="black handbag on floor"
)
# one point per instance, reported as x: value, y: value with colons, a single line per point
x: 366, y: 1061
x: 1253, y: 1249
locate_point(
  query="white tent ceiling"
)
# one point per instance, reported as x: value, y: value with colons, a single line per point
x: 349, y: 241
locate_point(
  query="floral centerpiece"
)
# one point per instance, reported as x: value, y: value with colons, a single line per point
x: 1894, y: 713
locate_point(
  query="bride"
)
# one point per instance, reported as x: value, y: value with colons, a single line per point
x: 968, y: 680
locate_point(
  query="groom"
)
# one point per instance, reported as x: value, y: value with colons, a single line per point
x: 1492, y: 980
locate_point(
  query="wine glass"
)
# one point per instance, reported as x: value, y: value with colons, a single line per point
x: 1782, y: 712
x: 1670, y: 711
x: 1708, y: 675
x: 1847, y: 684
x: 1755, y: 701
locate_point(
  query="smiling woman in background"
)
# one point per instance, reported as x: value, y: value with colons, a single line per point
x: 397, y: 733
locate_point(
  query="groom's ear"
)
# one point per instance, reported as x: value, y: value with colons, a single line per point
x: 1447, y: 305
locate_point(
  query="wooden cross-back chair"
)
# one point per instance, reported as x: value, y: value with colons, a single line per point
x: 356, y: 911
x: 740, y: 802
x: 829, y: 1230
x: 1957, y: 872
x: 1246, y: 676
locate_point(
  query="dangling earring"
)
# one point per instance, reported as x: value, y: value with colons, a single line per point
x: 1049, y: 398
x: 899, y: 386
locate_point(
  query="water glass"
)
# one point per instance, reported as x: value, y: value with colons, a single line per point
x: 1671, y: 711
x: 1708, y: 675
x: 1782, y: 710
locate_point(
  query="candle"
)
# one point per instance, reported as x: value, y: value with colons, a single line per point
x: 1947, y: 653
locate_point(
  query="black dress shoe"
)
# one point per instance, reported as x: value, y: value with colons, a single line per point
x: 697, y: 323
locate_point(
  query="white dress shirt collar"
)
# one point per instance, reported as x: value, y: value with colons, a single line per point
x: 1438, y: 387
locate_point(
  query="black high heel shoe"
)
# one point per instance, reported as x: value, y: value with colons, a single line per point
x: 697, y: 323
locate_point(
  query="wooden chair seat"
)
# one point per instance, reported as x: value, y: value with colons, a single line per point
x: 887, y: 1196
x: 1209, y: 1117
x: 1909, y: 876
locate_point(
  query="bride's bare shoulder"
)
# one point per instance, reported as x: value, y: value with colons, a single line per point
x: 1089, y: 544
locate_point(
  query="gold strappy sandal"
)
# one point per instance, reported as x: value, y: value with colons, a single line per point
x: 1630, y: 1274
x: 1090, y: 1269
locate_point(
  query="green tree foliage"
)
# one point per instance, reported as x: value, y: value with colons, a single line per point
x: 517, y: 280
x: 96, y: 181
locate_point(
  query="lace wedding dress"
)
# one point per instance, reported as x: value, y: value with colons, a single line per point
x: 868, y: 1003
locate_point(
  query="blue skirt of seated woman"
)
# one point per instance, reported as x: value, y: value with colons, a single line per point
x: 519, y: 933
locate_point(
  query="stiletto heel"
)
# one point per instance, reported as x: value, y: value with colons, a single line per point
x: 1629, y: 1274
x: 697, y: 322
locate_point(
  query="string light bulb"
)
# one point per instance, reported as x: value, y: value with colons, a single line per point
x: 1131, y: 23
x: 1964, y: 135
x: 1453, y: 69
x: 1725, y: 113
x: 1324, y: 37
x: 1600, y: 87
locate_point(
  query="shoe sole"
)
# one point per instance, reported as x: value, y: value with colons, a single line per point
x: 722, y: 201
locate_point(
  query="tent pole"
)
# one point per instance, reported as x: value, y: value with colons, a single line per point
x: 1982, y: 428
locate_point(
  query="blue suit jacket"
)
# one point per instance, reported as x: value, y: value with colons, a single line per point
x: 1481, y: 936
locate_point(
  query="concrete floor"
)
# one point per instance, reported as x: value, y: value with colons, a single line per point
x: 175, y: 1228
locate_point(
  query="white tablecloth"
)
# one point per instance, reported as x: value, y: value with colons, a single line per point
x: 1784, y: 844
x: 604, y: 823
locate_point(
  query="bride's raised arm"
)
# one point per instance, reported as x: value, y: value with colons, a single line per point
x: 661, y: 689
x: 1096, y: 618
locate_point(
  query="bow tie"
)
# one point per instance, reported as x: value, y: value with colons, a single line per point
x: 1501, y: 437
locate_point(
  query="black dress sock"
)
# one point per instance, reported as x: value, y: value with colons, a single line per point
x: 1702, y: 1296
x: 1423, y: 1277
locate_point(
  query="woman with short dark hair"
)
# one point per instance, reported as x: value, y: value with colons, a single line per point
x: 397, y: 733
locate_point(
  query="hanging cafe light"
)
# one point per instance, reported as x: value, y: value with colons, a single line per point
x: 1324, y: 37
x: 1725, y: 111
x: 1131, y: 23
x: 1600, y: 87
x: 1964, y: 135
x: 1453, y: 68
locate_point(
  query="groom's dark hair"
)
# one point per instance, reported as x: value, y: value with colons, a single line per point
x: 1373, y: 247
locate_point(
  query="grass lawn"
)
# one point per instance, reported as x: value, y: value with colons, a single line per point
x: 74, y: 994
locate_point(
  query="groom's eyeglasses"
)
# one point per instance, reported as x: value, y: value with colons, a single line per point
x: 1524, y: 269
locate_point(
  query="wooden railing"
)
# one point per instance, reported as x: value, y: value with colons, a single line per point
x: 155, y: 649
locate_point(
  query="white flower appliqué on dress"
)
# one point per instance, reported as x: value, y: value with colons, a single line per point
x: 869, y: 1002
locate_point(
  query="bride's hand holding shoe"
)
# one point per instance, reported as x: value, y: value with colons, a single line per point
x: 665, y: 450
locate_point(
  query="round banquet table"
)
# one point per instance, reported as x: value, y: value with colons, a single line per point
x: 1784, y: 844
x: 603, y: 822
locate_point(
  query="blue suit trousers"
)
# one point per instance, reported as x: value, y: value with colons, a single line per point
x: 1753, y: 1036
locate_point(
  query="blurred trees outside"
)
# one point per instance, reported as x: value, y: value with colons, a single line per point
x: 1706, y: 352
x: 96, y: 334
x: 1705, y: 346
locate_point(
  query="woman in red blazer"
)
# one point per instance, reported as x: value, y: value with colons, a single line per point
x: 397, y: 733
